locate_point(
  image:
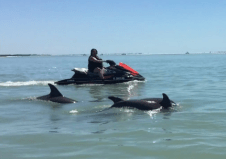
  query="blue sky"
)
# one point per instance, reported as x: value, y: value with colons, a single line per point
x: 112, y: 26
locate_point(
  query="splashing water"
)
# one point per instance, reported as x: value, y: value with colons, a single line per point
x: 27, y: 83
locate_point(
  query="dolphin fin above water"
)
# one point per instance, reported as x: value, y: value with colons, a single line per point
x: 56, y: 96
x: 54, y: 92
x: 115, y: 99
x: 166, y: 102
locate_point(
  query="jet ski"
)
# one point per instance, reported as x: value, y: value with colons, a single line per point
x: 113, y: 74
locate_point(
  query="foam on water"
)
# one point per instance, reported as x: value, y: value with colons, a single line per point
x: 73, y: 111
x: 153, y: 112
x: 127, y: 110
x: 27, y: 83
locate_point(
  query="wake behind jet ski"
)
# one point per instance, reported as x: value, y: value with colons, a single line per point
x: 112, y: 74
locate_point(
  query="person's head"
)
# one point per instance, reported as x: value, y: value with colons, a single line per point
x: 93, y: 52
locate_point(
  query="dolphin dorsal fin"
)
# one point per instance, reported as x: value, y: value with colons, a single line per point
x: 115, y: 99
x: 54, y: 91
x: 166, y: 103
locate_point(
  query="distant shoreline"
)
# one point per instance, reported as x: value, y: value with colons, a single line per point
x: 15, y: 55
x: 117, y: 54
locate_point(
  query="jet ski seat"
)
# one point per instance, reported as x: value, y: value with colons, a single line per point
x: 91, y: 74
x: 84, y: 72
x: 80, y: 70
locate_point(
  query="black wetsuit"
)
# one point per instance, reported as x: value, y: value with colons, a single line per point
x: 92, y: 65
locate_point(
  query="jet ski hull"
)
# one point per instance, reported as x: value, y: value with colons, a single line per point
x: 112, y: 80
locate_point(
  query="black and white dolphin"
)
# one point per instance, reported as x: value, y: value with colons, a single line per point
x: 56, y: 96
x: 143, y: 104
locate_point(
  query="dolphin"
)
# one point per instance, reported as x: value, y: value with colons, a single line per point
x: 143, y: 104
x: 56, y: 96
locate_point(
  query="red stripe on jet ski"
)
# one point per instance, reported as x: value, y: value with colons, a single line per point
x: 133, y: 72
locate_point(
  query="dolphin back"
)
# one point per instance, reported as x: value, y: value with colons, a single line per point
x: 62, y: 100
x: 142, y: 104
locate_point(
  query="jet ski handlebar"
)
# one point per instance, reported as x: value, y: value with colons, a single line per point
x: 110, y: 62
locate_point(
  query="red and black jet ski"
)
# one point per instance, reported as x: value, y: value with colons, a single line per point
x: 113, y: 74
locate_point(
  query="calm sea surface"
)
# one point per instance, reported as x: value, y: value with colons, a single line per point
x: 195, y: 128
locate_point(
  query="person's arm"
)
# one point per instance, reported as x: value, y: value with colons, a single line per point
x: 95, y: 60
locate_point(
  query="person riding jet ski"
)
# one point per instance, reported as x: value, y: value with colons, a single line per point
x: 95, y: 64
x: 97, y: 74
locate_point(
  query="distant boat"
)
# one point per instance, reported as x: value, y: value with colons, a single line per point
x: 123, y: 53
x: 187, y: 53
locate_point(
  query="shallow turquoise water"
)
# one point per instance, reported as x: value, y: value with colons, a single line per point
x: 37, y: 129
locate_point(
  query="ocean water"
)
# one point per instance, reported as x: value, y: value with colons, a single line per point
x: 195, y: 128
